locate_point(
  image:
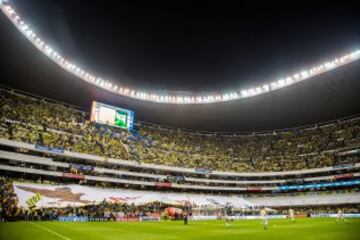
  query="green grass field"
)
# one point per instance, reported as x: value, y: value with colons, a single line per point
x: 249, y: 229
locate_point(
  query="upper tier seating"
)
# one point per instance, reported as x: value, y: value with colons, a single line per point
x: 49, y: 123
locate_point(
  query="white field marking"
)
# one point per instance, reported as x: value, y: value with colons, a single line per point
x: 50, y: 231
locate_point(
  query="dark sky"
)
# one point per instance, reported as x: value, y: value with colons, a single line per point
x: 180, y: 45
x: 186, y: 46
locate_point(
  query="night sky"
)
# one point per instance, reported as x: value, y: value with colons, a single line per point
x: 179, y: 45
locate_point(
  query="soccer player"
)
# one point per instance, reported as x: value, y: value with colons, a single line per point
x: 185, y: 219
x: 340, y: 216
x: 263, y: 215
x: 228, y: 210
x: 227, y: 221
x: 291, y: 215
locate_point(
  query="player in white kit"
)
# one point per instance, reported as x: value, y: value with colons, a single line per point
x: 292, y: 215
x: 264, y: 217
x: 340, y: 216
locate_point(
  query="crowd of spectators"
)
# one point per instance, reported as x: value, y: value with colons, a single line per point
x: 110, y: 210
x: 55, y: 125
x: 52, y: 124
x: 105, y: 211
x: 8, y: 200
x: 302, y: 193
x: 279, y: 151
x: 304, y: 211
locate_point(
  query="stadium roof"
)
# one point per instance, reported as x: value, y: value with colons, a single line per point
x: 166, y: 96
x: 328, y: 96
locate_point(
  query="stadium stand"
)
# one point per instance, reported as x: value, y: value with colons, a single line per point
x: 54, y: 125
x: 53, y: 144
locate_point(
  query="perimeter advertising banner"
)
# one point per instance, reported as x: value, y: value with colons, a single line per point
x: 321, y: 185
x: 334, y: 215
x: 42, y: 195
x: 49, y: 149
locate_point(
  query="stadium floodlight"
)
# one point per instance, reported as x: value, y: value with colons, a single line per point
x: 10, y: 10
x: 244, y: 93
x: 24, y: 27
x: 48, y: 50
x: 354, y: 55
x: 288, y: 80
x: 266, y: 87
x: 251, y: 91
x: 274, y: 85
x: 178, y: 97
x: 329, y: 65
x: 281, y: 82
x: 304, y: 74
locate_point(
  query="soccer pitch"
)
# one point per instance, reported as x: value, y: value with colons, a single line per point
x: 247, y: 229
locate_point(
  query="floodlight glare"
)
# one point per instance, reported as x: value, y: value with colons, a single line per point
x: 173, y: 97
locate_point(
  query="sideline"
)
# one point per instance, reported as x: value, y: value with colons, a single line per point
x: 50, y: 231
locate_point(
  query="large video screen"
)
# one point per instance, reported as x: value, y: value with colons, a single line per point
x: 111, y: 115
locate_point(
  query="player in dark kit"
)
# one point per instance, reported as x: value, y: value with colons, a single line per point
x: 185, y: 219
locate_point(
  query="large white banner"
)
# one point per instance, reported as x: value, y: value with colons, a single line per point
x: 41, y: 195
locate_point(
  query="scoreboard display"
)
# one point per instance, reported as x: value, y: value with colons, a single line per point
x: 111, y: 115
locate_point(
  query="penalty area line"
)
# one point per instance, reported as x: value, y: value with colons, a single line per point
x: 50, y: 231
